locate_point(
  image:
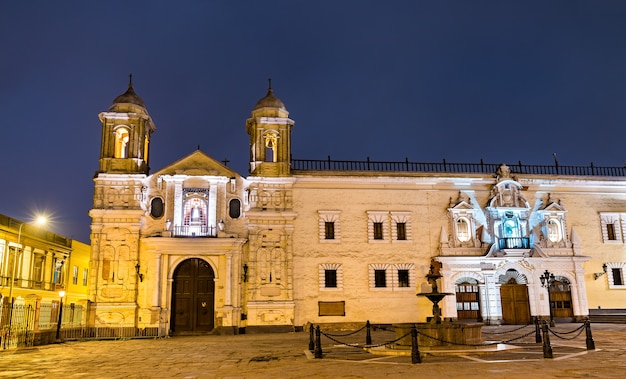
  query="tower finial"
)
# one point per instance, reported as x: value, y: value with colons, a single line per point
x: 270, y: 82
x: 130, y: 80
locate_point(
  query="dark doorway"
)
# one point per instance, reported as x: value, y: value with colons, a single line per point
x: 193, y: 297
x: 515, y: 304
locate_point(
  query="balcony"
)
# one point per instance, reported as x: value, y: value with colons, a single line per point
x: 194, y: 231
x: 514, y: 243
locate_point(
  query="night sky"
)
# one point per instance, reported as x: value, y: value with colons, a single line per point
x: 503, y: 81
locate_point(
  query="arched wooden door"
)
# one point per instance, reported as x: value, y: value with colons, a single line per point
x: 515, y: 304
x: 193, y: 297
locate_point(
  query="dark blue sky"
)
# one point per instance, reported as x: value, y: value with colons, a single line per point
x: 462, y: 80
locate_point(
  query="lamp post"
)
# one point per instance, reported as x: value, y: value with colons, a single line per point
x: 61, y: 295
x: 546, y: 281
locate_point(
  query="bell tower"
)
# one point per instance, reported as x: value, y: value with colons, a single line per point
x: 270, y: 137
x: 126, y: 131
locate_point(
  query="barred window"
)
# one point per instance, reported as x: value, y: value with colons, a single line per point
x: 378, y: 230
x: 329, y: 230
x: 403, y: 278
x: 330, y: 278
x: 380, y: 278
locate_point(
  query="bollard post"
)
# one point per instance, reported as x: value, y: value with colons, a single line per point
x: 311, y: 338
x: 590, y: 344
x: 368, y: 336
x: 547, y: 349
x: 537, y: 333
x: 415, y: 350
x: 318, y: 343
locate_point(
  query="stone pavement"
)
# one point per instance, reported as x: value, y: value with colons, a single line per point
x: 287, y: 356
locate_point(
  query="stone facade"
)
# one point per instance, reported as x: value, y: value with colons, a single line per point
x: 196, y: 247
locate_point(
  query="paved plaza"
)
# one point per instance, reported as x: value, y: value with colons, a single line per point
x: 287, y: 356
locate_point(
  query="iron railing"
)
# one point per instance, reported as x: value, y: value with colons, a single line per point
x: 514, y: 243
x: 448, y: 167
x: 194, y: 231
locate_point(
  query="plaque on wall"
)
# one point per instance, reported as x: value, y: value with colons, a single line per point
x: 332, y: 308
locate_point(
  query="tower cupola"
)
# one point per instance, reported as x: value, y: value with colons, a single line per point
x: 126, y: 131
x: 270, y: 137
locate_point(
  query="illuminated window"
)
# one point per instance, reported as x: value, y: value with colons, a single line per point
x: 85, y: 272
x: 554, y: 230
x: 463, y: 229
x: 75, y: 275
x: 271, y: 141
x: 121, y: 142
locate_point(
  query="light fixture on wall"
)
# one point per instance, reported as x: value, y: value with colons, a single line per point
x: 140, y: 275
x: 599, y: 274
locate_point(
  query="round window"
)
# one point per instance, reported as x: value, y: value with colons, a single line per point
x: 156, y: 207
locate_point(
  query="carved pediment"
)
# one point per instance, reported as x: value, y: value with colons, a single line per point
x: 507, y: 194
x: 197, y: 164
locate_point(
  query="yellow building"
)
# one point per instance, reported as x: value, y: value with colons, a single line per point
x: 35, y: 266
x: 195, y: 247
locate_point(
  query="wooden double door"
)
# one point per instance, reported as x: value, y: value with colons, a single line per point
x: 193, y: 297
x: 515, y: 304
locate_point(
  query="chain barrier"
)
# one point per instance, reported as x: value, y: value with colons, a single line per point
x: 560, y: 334
x: 414, y: 332
x: 345, y: 335
x: 510, y: 331
x: 365, y: 346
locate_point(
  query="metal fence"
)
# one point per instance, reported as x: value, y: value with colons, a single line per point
x: 24, y: 325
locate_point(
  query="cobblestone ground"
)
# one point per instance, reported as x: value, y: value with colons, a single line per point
x: 287, y: 356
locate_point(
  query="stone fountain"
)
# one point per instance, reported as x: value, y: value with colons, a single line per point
x: 434, y: 296
x: 455, y: 333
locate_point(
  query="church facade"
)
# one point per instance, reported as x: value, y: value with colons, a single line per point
x: 196, y: 247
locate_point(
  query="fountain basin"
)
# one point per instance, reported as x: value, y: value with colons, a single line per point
x: 456, y: 333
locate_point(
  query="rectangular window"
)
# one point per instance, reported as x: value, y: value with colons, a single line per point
x: 618, y: 280
x: 329, y: 230
x: 75, y: 275
x: 85, y: 272
x: 330, y: 278
x: 378, y: 230
x: 403, y: 278
x: 401, y: 230
x: 610, y: 231
x: 380, y: 278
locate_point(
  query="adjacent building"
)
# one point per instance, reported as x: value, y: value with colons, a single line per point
x: 196, y: 247
x: 39, y: 271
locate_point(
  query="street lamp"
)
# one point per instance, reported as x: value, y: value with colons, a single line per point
x: 61, y: 295
x: 547, y: 279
